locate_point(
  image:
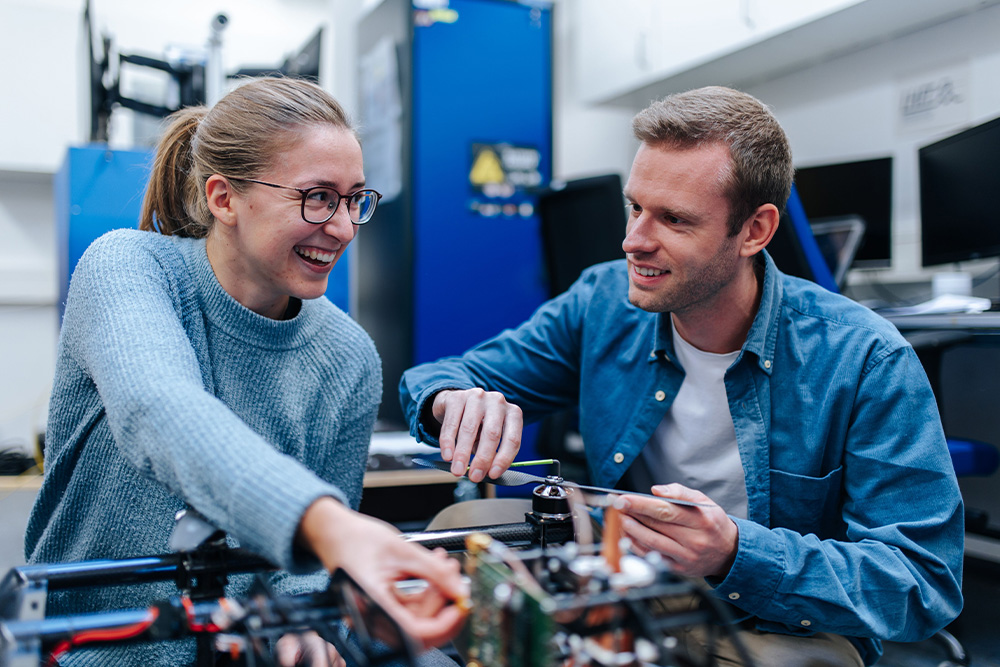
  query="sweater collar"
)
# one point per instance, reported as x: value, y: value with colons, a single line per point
x: 226, y: 313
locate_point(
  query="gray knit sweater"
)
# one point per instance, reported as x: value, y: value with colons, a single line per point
x: 170, y: 394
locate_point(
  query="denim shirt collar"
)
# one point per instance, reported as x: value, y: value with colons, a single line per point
x: 763, y: 332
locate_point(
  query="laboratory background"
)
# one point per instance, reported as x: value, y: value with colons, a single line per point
x: 481, y: 120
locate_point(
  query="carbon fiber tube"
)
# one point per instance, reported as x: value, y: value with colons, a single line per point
x: 59, y: 576
x: 512, y: 534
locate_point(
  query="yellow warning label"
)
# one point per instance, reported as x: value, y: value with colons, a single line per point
x: 487, y: 168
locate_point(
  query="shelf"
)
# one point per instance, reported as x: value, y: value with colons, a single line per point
x: 393, y: 478
x: 769, y: 55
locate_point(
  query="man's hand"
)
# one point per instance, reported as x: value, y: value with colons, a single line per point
x: 696, y: 541
x: 475, y: 421
x: 376, y: 557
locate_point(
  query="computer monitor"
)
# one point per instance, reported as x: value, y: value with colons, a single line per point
x: 582, y: 223
x: 959, y: 179
x: 862, y: 188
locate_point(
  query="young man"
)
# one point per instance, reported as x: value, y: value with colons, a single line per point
x: 704, y: 373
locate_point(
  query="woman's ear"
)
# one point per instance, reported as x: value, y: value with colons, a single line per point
x: 760, y: 229
x: 221, y: 201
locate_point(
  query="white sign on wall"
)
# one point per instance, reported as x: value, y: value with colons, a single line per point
x: 938, y: 98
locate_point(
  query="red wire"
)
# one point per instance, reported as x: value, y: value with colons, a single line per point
x: 107, y: 635
x: 197, y: 627
x: 127, y: 632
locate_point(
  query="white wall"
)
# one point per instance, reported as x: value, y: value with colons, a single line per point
x: 588, y: 139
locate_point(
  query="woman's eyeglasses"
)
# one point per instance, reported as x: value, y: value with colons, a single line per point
x: 320, y: 203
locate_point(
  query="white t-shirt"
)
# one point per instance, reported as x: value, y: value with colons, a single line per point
x: 695, y: 443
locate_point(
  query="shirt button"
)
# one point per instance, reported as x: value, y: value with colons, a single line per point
x: 660, y: 395
x: 619, y: 457
x: 805, y: 623
x: 767, y: 363
x: 734, y: 596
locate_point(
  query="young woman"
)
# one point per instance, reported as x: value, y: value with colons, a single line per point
x: 199, y: 366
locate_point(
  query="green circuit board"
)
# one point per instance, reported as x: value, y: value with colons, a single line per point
x: 508, y: 624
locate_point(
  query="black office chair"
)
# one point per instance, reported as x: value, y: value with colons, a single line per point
x: 582, y: 224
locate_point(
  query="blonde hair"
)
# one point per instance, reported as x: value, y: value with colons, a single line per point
x: 239, y: 137
x: 761, y: 170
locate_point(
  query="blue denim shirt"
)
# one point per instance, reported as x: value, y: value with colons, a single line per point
x: 855, y: 520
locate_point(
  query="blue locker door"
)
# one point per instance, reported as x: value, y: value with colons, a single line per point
x: 481, y: 77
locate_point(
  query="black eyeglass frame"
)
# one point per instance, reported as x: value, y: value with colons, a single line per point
x: 305, y: 194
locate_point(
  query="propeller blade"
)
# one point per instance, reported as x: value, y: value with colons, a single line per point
x: 619, y: 492
x: 515, y: 478
x: 446, y: 465
x: 518, y: 478
x: 432, y: 463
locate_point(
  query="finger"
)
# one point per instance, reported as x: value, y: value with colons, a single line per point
x: 443, y: 573
x: 336, y: 660
x: 657, y: 510
x: 680, y: 492
x: 314, y: 650
x: 288, y: 650
x: 511, y: 443
x: 468, y: 433
x: 454, y: 409
x: 489, y: 436
x: 651, y: 540
x: 430, y: 631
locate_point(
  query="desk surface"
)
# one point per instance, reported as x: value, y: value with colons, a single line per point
x: 980, y: 322
x: 373, y: 479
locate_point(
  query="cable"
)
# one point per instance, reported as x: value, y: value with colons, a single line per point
x: 105, y: 635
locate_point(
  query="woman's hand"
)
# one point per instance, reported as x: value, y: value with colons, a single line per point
x: 377, y: 558
x: 307, y: 649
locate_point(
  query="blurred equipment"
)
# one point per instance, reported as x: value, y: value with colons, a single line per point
x: 187, y: 75
x: 794, y: 249
x: 577, y: 606
x: 838, y: 240
x: 862, y: 188
x: 538, y: 599
x: 195, y: 76
x: 583, y: 223
x: 455, y: 105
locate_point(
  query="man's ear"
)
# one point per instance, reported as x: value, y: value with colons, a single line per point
x: 760, y: 229
x: 219, y: 192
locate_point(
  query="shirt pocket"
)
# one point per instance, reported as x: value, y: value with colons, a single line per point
x: 806, y: 504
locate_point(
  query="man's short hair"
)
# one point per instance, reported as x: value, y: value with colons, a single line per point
x: 761, y: 170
